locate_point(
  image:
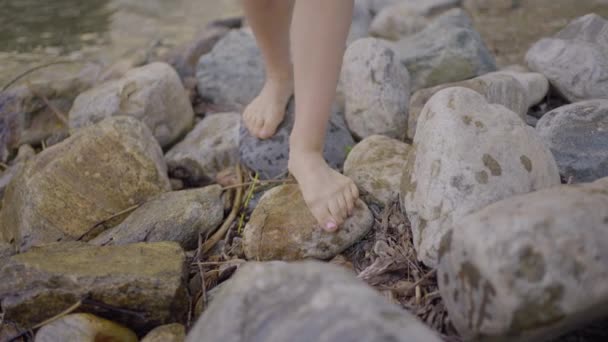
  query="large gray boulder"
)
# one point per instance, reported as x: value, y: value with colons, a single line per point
x: 153, y: 94
x: 575, y: 60
x: 299, y: 302
x: 467, y: 154
x: 577, y: 134
x: 530, y: 267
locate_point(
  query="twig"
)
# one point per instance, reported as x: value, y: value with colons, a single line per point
x: 25, y: 73
x: 60, y: 115
x: 48, y: 321
x: 138, y: 314
x: 259, y: 182
x: 3, y: 166
x: 247, y: 200
x: 416, y: 284
x: 217, y: 236
x: 201, y: 273
x: 216, y: 263
x: 122, y: 212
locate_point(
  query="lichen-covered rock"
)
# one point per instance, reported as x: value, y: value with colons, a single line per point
x: 178, y: 216
x: 84, y: 327
x: 467, y: 154
x: 166, y: 333
x: 375, y: 165
x: 269, y: 157
x: 146, y: 278
x: 530, y: 267
x: 448, y: 50
x: 376, y: 89
x: 209, y: 148
x: 497, y: 88
x: 575, y: 60
x: 406, y: 18
x: 232, y: 74
x: 153, y: 94
x: 577, y: 134
x: 71, y: 187
x: 306, y: 301
x: 282, y: 228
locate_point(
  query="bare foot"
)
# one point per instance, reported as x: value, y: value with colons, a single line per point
x: 266, y: 112
x: 330, y: 196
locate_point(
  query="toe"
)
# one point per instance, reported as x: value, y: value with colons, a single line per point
x: 350, y: 202
x: 257, y: 126
x: 336, y: 212
x: 354, y: 192
x: 342, y: 206
x: 324, y: 218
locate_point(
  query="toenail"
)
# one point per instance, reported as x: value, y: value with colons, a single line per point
x: 330, y: 226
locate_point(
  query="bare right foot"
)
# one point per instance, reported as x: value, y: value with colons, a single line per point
x: 329, y: 195
x: 266, y: 112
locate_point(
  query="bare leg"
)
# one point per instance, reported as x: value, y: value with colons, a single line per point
x: 319, y: 32
x: 270, y: 21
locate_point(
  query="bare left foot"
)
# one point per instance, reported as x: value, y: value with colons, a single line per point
x: 266, y: 112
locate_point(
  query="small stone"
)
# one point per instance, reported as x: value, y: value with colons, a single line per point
x: 530, y: 267
x: 282, y: 228
x: 153, y: 93
x: 166, y: 333
x: 69, y: 188
x: 305, y: 301
x: 147, y: 278
x: 462, y: 160
x: 376, y: 89
x: 375, y: 165
x: 86, y: 328
x: 209, y: 148
x: 178, y: 216
x: 577, y: 134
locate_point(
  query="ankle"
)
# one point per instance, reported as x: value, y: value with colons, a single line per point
x: 283, y: 78
x: 299, y: 158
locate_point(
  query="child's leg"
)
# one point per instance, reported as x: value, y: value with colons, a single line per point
x: 270, y: 21
x: 319, y: 32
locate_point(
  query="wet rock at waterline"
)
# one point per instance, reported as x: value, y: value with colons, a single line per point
x: 462, y: 160
x: 166, y: 333
x: 68, y: 189
x: 269, y: 157
x: 306, y: 301
x: 577, y: 134
x: 530, y: 267
x: 178, y: 216
x: 84, y: 327
x: 146, y: 278
x: 153, y: 94
x: 376, y: 89
x: 575, y: 60
x: 446, y: 51
x: 209, y: 148
x: 375, y: 165
x: 281, y: 227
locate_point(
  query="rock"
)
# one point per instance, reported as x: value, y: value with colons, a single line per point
x: 497, y: 88
x: 376, y: 89
x: 575, y: 60
x: 70, y: 188
x: 178, y: 216
x: 166, y: 333
x: 463, y: 159
x: 535, y: 84
x: 577, y: 134
x: 26, y: 152
x: 147, y: 278
x: 405, y: 18
x: 6, y: 250
x: 269, y: 157
x: 490, y: 5
x: 209, y: 148
x: 362, y: 19
x: 282, y: 228
x: 306, y: 301
x: 448, y: 50
x: 152, y: 93
x: 86, y: 328
x: 232, y: 74
x: 530, y: 267
x: 375, y: 165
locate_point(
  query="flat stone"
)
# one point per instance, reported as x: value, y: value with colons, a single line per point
x: 166, y: 333
x: 178, y: 216
x: 86, y: 328
x: 375, y: 165
x: 282, y: 228
x: 577, y: 134
x: 306, y: 301
x: 575, y: 60
x: 530, y: 267
x: 462, y: 160
x: 147, y: 278
x: 71, y: 187
x: 376, y: 89
x: 153, y: 94
x: 209, y: 148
